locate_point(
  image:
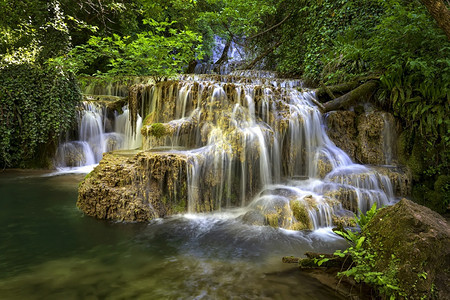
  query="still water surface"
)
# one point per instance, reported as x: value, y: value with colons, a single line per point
x: 50, y: 250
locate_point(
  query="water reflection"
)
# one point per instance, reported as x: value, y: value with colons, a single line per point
x: 49, y: 250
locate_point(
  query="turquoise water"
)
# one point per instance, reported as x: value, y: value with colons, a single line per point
x: 50, y: 250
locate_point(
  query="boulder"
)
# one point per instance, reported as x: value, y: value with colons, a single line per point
x: 414, y: 241
x: 135, y: 187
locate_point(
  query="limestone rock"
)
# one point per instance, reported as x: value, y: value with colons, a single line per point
x: 137, y: 187
x: 374, y: 138
x: 342, y: 131
x: 400, y: 178
x: 420, y: 240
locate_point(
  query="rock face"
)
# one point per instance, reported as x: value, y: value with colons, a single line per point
x: 367, y: 138
x: 400, y: 177
x: 131, y: 187
x: 419, y: 239
x: 342, y: 131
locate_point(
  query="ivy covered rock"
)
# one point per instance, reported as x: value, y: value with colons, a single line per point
x: 414, y: 242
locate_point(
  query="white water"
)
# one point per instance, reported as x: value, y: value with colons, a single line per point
x: 96, y: 135
x: 249, y: 134
x: 252, y: 141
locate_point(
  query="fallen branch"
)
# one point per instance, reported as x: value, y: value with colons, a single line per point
x: 319, y: 105
x: 339, y: 88
x: 362, y: 93
x: 313, y: 260
x: 327, y: 90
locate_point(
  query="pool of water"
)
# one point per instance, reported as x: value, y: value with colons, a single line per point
x: 50, y: 250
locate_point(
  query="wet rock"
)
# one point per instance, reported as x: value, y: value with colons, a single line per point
x: 344, y: 221
x: 400, y: 178
x: 368, y: 138
x: 254, y: 218
x: 71, y: 154
x: 373, y: 138
x: 347, y: 196
x: 137, y: 187
x: 341, y: 129
x: 301, y: 215
x: 324, y: 166
x: 419, y: 241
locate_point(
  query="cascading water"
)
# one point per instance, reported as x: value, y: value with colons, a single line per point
x: 259, y: 143
x: 235, y: 57
x: 97, y: 133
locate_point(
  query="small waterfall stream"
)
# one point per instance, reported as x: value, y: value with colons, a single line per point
x: 97, y: 133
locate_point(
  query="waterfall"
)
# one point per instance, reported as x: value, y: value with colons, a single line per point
x: 97, y: 133
x: 255, y: 141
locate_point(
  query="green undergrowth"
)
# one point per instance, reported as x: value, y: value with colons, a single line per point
x: 364, y: 260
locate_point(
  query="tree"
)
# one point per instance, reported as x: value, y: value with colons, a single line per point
x: 440, y: 13
x: 160, y: 52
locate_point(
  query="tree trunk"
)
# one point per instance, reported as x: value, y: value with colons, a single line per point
x: 260, y: 57
x: 363, y: 92
x: 224, y: 57
x: 191, y: 66
x: 339, y: 89
x: 440, y: 13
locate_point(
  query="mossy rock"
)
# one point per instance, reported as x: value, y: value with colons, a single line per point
x: 135, y: 188
x: 300, y: 212
x: 157, y: 130
x: 149, y: 119
x: 415, y: 161
x: 414, y: 242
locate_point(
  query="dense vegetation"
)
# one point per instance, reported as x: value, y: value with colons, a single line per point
x: 396, y: 41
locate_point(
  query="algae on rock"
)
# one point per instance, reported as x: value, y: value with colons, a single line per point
x: 415, y: 241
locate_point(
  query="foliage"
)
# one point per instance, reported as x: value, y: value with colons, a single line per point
x: 364, y: 260
x: 36, y: 107
x: 160, y: 52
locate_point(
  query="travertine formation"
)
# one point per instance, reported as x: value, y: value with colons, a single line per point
x: 214, y: 142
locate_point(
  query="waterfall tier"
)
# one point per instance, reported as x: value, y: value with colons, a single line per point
x: 250, y: 142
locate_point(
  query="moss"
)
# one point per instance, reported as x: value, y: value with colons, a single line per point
x: 88, y: 175
x: 272, y: 219
x: 341, y: 222
x: 438, y: 199
x: 300, y: 212
x: 403, y: 147
x: 180, y: 207
x: 299, y: 226
x: 148, y: 119
x: 411, y: 240
x: 442, y: 185
x: 157, y: 130
x: 415, y: 161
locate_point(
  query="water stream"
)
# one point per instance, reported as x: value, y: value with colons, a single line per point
x: 50, y: 250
